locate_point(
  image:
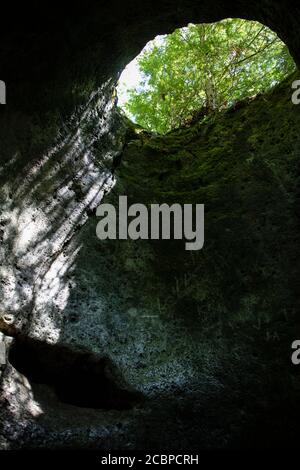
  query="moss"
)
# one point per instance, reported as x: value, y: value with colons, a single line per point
x: 243, y: 165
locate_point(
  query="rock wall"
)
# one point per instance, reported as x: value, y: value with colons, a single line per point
x: 186, y: 330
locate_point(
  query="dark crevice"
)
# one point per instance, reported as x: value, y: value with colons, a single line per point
x: 77, y: 378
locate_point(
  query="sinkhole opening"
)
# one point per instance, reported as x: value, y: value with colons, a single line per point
x: 199, y: 70
x: 77, y: 378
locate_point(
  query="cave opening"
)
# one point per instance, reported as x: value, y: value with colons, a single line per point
x: 200, y: 70
x: 216, y: 359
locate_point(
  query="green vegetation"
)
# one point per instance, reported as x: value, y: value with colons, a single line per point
x: 202, y: 69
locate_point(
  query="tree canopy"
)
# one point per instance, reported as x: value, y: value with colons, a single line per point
x: 202, y: 69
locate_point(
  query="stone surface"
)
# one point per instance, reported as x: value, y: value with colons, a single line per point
x: 206, y: 337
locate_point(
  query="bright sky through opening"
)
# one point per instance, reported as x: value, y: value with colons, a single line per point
x: 132, y: 77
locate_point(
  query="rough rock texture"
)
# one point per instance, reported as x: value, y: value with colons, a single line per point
x: 205, y: 337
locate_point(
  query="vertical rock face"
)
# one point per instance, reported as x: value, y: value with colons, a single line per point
x: 187, y: 330
x: 45, y: 204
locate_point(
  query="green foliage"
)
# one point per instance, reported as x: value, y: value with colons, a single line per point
x: 205, y: 68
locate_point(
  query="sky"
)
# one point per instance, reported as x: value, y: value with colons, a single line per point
x: 131, y: 76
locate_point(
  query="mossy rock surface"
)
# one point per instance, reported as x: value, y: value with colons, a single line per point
x: 244, y: 166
